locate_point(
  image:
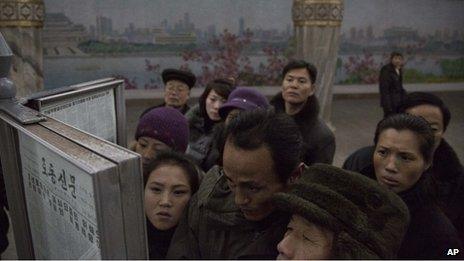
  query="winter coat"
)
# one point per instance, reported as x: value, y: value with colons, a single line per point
x: 201, y: 138
x: 183, y: 110
x: 448, y: 178
x: 392, y: 93
x: 446, y: 172
x: 214, y: 228
x: 430, y: 234
x: 318, y: 139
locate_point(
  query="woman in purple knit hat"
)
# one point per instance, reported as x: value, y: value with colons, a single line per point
x: 160, y: 129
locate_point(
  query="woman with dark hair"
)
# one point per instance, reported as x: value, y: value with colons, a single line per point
x: 170, y: 181
x: 404, y: 146
x: 203, y: 117
x: 447, y: 172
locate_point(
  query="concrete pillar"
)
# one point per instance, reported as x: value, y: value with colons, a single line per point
x: 317, y: 31
x: 21, y: 23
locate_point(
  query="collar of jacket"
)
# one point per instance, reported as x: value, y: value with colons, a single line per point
x: 197, y: 121
x: 309, y: 113
x: 392, y: 68
x: 219, y: 207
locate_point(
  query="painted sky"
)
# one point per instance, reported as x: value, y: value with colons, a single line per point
x: 424, y: 15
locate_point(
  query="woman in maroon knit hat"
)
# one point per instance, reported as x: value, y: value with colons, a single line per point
x: 160, y: 129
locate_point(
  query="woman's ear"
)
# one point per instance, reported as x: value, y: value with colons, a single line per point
x: 296, y: 174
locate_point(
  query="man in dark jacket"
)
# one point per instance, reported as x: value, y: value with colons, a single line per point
x: 178, y: 84
x: 297, y: 99
x: 232, y: 216
x: 447, y: 172
x: 391, y: 88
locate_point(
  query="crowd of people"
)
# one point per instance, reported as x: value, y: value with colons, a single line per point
x: 240, y: 177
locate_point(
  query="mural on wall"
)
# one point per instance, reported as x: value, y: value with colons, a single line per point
x: 247, y: 40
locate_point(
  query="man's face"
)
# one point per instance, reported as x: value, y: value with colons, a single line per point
x: 297, y: 86
x: 176, y: 93
x: 251, y: 177
x: 432, y: 114
x: 397, y: 61
x: 305, y: 241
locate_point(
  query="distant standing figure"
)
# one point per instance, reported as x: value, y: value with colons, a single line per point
x: 391, y: 88
x: 177, y: 89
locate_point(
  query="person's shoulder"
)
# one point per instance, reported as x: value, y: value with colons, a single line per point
x: 359, y: 159
x: 195, y: 119
x: 209, y: 183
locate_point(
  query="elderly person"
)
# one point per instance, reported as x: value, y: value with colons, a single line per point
x: 298, y: 100
x: 339, y: 214
x: 178, y: 84
x: 160, y: 129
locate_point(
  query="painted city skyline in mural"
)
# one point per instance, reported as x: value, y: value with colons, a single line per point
x: 249, y: 40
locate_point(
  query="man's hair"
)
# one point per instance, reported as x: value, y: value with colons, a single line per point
x: 298, y: 64
x: 171, y: 158
x: 394, y: 54
x: 278, y: 132
x: 414, y: 99
x: 416, y: 124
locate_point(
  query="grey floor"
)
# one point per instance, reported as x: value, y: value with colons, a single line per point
x: 354, y: 121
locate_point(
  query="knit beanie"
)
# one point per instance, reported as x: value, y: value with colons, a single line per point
x: 167, y: 125
x: 368, y: 221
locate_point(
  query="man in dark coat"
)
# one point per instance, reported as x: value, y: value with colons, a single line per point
x: 391, y: 88
x: 297, y: 99
x: 447, y: 172
x: 178, y: 84
x: 232, y: 215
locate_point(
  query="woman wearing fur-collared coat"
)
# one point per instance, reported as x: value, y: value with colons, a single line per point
x: 203, y: 118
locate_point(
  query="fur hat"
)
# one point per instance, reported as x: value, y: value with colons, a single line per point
x: 183, y: 76
x: 368, y: 221
x: 165, y: 124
